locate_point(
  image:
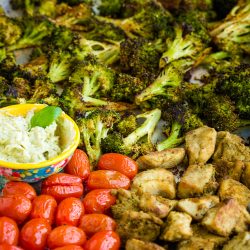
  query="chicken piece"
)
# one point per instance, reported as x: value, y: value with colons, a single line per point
x: 156, y: 205
x: 158, y: 181
x: 168, y: 158
x: 195, y: 244
x: 125, y: 200
x: 138, y: 225
x: 196, y: 181
x: 178, y: 227
x: 233, y: 189
x: 197, y: 207
x: 134, y: 244
x: 243, y: 222
x: 225, y: 169
x: 245, y: 178
x: 200, y: 144
x: 239, y: 242
x: 223, y: 218
x: 231, y: 148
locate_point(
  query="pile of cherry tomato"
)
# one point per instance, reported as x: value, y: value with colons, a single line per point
x: 73, y: 210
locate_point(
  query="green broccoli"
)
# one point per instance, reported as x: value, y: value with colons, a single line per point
x: 47, y: 8
x: 93, y: 128
x: 180, y: 119
x: 109, y: 8
x: 138, y: 141
x: 233, y: 33
x: 127, y: 124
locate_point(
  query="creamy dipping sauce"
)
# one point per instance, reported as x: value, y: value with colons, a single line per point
x: 20, y: 144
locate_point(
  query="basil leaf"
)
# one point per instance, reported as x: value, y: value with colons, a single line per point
x: 45, y: 116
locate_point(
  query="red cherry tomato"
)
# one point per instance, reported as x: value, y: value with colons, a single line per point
x: 66, y: 235
x: 62, y: 186
x: 120, y: 163
x: 70, y: 247
x: 104, y: 240
x: 17, y: 207
x: 16, y: 188
x: 69, y: 212
x: 9, y: 247
x: 93, y: 223
x: 34, y: 234
x: 98, y: 201
x: 44, y: 206
x: 79, y: 165
x: 9, y: 231
x: 108, y: 179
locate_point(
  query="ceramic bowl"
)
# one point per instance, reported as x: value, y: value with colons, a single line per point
x: 33, y: 172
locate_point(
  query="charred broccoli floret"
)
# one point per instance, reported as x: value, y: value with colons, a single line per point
x: 35, y: 30
x: 180, y: 119
x: 93, y: 128
x: 141, y: 57
x: 126, y: 87
x: 233, y: 33
x: 127, y: 124
x: 138, y: 141
x: 188, y: 46
x: 204, y: 5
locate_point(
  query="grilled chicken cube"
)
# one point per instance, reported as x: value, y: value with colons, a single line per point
x: 245, y: 178
x: 178, y: 227
x: 196, y: 244
x: 138, y: 225
x: 222, y: 219
x: 158, y: 181
x: 196, y: 181
x: 233, y: 189
x: 231, y: 148
x: 197, y: 207
x: 228, y: 170
x: 168, y: 158
x: 200, y: 144
x: 135, y: 244
x: 239, y: 242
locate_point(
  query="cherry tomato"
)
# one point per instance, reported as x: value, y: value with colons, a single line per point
x: 66, y: 235
x: 107, y: 179
x: 62, y: 186
x: 23, y: 188
x: 79, y: 165
x: 33, y: 235
x: 9, y: 247
x: 93, y: 223
x: 70, y: 247
x: 44, y: 206
x: 17, y: 207
x: 104, y: 240
x: 98, y: 201
x: 69, y: 212
x: 9, y: 231
x: 120, y: 163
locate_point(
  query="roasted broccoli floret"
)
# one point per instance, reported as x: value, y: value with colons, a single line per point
x: 180, y: 119
x: 151, y: 22
x: 233, y: 33
x: 127, y: 124
x: 141, y: 57
x: 188, y: 46
x: 126, y: 87
x: 35, y: 30
x: 47, y: 8
x: 234, y: 82
x: 166, y: 83
x: 93, y: 128
x: 109, y: 8
x: 204, y: 5
x: 10, y: 31
x: 138, y: 141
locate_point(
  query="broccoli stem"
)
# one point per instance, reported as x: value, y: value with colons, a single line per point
x: 173, y: 140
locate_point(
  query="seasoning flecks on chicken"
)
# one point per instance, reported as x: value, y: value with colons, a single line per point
x: 233, y: 189
x: 167, y: 158
x: 200, y: 144
x: 178, y: 227
x: 197, y: 207
x: 135, y: 244
x: 197, y: 180
x: 158, y: 181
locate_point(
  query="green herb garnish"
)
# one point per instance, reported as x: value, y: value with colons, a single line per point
x: 45, y: 116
